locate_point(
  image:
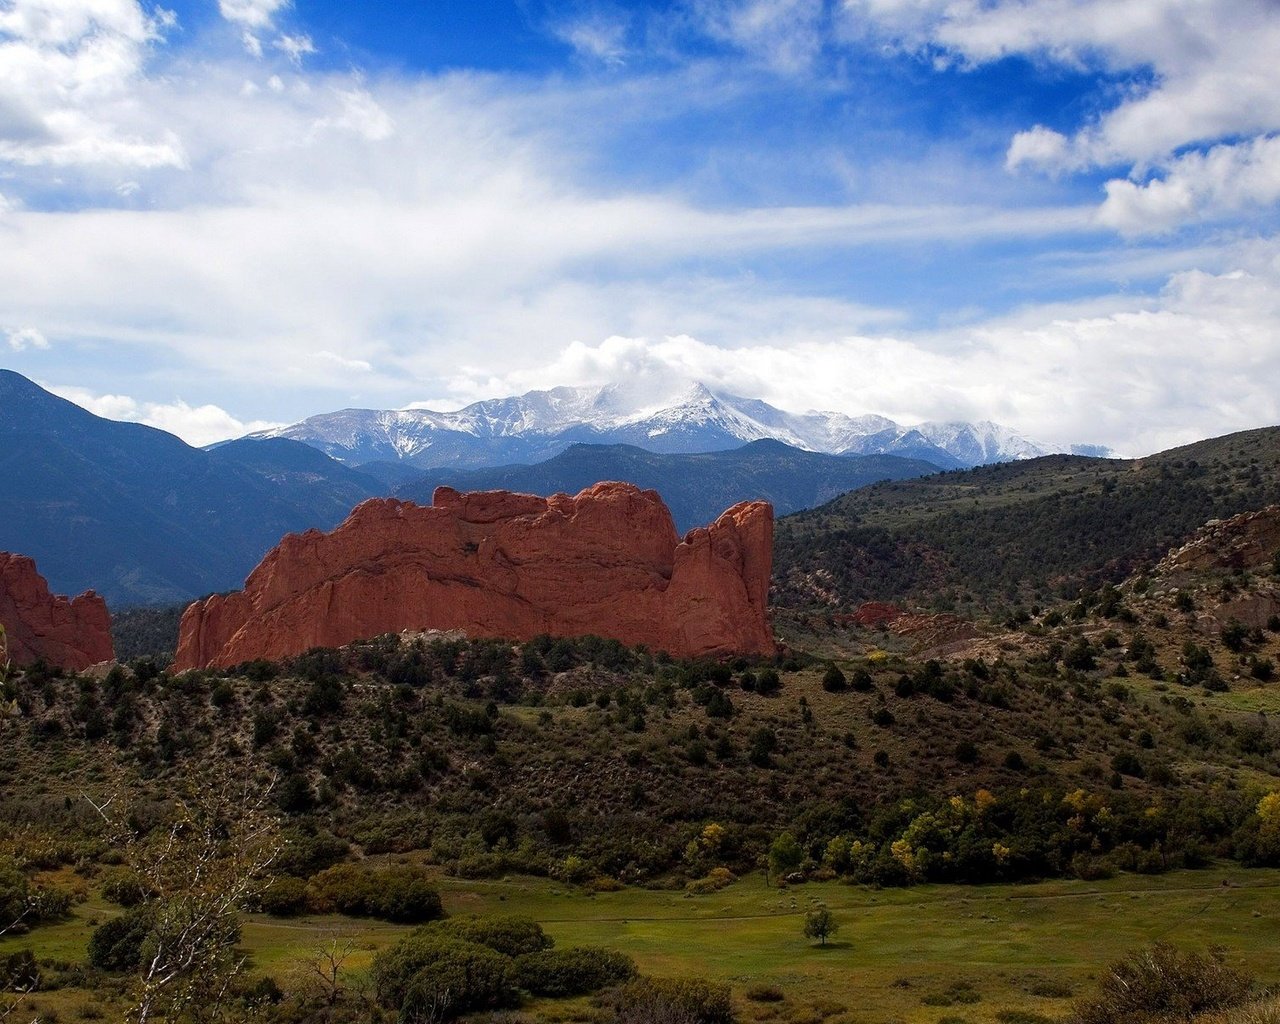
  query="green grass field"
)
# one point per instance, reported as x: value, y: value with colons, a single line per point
x: 910, y: 955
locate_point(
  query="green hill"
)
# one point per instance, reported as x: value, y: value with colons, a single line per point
x: 1022, y: 532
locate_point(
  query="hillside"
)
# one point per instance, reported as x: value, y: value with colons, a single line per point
x: 478, y: 750
x: 1017, y: 533
x: 696, y: 488
x: 138, y: 515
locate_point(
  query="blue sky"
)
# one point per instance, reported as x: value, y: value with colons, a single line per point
x: 1058, y: 214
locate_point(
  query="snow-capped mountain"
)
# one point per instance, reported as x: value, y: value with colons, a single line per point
x: 538, y: 425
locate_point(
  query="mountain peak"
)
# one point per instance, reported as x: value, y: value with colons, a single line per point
x: 691, y: 417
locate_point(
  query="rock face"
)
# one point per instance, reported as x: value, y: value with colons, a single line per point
x: 607, y: 561
x: 69, y: 633
x: 1246, y: 541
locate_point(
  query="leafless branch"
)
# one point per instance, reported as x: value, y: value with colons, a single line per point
x: 200, y: 871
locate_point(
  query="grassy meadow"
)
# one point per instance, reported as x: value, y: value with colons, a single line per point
x: 924, y: 954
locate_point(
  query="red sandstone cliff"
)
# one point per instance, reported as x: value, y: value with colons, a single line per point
x: 69, y: 633
x: 607, y: 561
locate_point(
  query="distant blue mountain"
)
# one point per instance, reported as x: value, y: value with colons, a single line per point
x: 697, y: 487
x: 141, y: 517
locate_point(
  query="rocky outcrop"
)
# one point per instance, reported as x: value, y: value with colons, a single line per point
x: 69, y: 633
x: 876, y: 614
x: 1246, y: 541
x: 607, y: 561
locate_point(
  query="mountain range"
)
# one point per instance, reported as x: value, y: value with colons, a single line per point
x: 540, y: 424
x: 145, y: 519
x: 139, y: 515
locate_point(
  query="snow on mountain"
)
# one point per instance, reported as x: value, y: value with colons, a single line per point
x: 540, y: 424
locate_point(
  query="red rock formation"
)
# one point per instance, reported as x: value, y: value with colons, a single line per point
x: 876, y: 613
x: 607, y: 561
x: 71, y: 634
x: 1245, y: 541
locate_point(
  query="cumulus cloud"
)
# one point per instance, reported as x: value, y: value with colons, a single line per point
x: 1193, y: 361
x: 21, y: 338
x: 1202, y: 74
x: 67, y: 73
x: 1233, y: 177
x: 197, y: 425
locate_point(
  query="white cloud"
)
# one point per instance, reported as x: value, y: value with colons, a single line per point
x: 358, y: 112
x: 600, y: 35
x: 257, y: 16
x: 1227, y: 178
x: 254, y: 14
x: 343, y: 363
x: 295, y: 47
x: 68, y: 69
x: 350, y: 236
x: 1211, y: 77
x: 1196, y: 360
x: 197, y: 425
x: 784, y: 35
x: 21, y: 338
x: 1042, y: 148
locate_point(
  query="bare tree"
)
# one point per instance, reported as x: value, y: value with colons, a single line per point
x: 327, y: 964
x: 200, y: 869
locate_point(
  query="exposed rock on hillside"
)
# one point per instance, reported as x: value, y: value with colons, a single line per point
x: 1246, y: 541
x: 494, y: 563
x: 69, y: 633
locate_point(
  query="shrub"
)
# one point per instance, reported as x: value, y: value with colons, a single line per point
x: 1127, y: 764
x: 15, y: 892
x: 507, y: 933
x: 768, y: 682
x: 833, y: 680
x: 285, y: 896
x: 116, y: 945
x: 714, y: 880
x: 402, y: 894
x: 305, y: 853
x: 124, y: 888
x: 674, y: 1001
x: 433, y: 977
x: 19, y: 972
x: 762, y: 993
x: 1161, y: 983
x: 572, y: 972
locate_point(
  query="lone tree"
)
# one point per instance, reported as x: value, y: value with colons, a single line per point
x: 820, y: 924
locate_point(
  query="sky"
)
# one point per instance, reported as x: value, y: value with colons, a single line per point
x: 1061, y: 215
